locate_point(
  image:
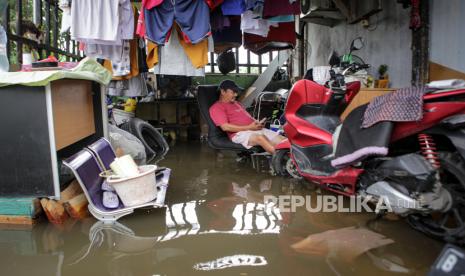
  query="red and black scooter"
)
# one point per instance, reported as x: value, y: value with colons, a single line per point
x: 282, y: 164
x: 430, y: 192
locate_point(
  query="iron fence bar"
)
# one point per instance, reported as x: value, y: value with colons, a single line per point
x: 237, y: 59
x: 248, y: 62
x: 212, y: 63
x: 47, y: 24
x: 67, y: 38
x: 55, y: 25
x: 19, y: 30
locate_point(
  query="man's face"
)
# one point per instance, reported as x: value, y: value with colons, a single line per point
x: 229, y: 95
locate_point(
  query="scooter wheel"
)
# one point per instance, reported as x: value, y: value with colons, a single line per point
x: 448, y: 226
x: 283, y: 165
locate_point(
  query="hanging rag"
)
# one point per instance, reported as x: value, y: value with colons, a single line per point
x: 403, y: 105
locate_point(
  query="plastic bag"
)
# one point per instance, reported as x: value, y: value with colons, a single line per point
x: 128, y: 143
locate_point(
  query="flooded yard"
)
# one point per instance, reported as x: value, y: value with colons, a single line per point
x: 215, y: 223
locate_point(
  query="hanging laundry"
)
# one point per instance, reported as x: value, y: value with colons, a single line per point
x: 279, y: 38
x: 227, y: 37
x: 192, y: 16
x: 255, y: 26
x: 213, y: 4
x: 173, y: 60
x: 65, y: 6
x: 142, y: 56
x: 134, y: 87
x: 120, y: 71
x: 102, y: 22
x: 197, y: 53
x: 280, y: 7
x: 146, y: 4
x: 103, y: 29
x: 152, y: 54
x: 218, y: 21
x: 256, y: 6
x: 253, y: 4
x: 233, y: 7
x: 123, y: 67
x: 282, y: 18
x: 134, y: 64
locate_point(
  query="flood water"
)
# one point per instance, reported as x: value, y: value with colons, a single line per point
x: 217, y: 223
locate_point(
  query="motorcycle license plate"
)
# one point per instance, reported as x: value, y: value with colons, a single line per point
x: 451, y: 261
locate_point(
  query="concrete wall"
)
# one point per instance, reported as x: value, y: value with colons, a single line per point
x: 387, y: 41
x: 447, y: 33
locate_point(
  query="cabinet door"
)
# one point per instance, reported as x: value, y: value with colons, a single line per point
x: 73, y: 112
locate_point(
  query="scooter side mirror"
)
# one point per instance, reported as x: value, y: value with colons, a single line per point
x: 356, y: 44
x: 334, y: 59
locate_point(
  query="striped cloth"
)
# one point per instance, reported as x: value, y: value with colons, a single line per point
x: 403, y: 105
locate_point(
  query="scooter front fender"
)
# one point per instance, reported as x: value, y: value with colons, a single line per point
x: 284, y: 144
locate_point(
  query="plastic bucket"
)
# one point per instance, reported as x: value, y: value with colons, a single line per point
x: 136, y: 190
x: 121, y: 116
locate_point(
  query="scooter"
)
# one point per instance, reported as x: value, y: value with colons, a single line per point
x: 423, y: 175
x: 349, y: 65
x: 335, y: 104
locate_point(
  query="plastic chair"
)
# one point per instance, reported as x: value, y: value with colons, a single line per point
x: 87, y: 169
x: 103, y: 152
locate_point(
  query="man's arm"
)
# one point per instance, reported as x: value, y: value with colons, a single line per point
x: 235, y: 128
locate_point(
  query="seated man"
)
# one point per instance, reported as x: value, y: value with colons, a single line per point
x: 241, y: 128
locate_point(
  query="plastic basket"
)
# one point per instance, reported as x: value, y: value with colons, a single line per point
x: 138, y: 189
x: 121, y: 116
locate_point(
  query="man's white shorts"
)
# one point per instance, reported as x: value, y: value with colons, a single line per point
x: 242, y: 137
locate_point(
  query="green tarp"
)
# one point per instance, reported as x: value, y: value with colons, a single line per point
x: 87, y: 69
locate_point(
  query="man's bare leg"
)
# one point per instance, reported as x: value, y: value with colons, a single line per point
x: 278, y: 139
x: 261, y: 140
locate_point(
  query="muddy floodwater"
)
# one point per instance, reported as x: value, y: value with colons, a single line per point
x: 216, y: 223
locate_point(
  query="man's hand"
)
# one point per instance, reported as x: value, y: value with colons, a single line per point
x: 256, y: 125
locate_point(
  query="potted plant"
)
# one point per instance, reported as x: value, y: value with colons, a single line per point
x: 383, y: 81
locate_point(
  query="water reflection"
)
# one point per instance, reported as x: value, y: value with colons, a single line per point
x: 232, y: 261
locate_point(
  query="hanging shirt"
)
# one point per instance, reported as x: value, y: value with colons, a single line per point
x: 279, y: 38
x: 102, y: 22
x: 255, y: 26
x: 228, y: 37
x: 280, y: 7
x: 173, y: 60
x: 212, y: 4
x: 129, y: 66
x: 233, y: 7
